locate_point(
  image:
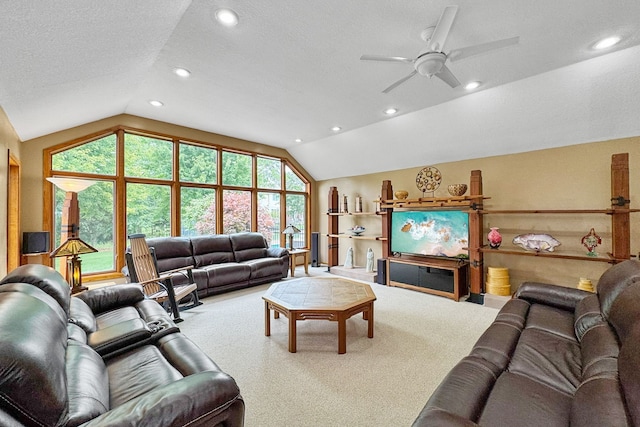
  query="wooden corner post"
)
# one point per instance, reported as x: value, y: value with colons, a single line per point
x: 386, y: 193
x: 476, y: 259
x: 333, y: 226
x: 620, y: 225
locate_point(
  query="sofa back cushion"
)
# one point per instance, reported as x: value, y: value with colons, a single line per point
x: 248, y: 246
x: 614, y: 281
x: 171, y: 252
x: 212, y: 249
x: 33, y: 340
x: 45, y: 278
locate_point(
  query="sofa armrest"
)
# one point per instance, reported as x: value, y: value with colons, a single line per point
x: 111, y: 297
x: 277, y: 252
x: 203, y: 399
x: 553, y: 295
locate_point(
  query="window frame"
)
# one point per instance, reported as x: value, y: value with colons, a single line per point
x: 120, y: 226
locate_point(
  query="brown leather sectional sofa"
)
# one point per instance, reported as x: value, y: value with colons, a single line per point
x: 554, y: 356
x: 107, y: 357
x: 223, y: 262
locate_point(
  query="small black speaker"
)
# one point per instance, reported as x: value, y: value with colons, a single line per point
x: 381, y: 278
x: 315, y: 249
x: 35, y: 242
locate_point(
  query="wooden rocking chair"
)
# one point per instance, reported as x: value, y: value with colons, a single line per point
x: 143, y: 269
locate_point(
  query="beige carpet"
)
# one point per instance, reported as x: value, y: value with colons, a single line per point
x: 383, y: 381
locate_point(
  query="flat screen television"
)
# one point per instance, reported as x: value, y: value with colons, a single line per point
x: 437, y: 233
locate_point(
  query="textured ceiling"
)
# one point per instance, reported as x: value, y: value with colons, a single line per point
x: 291, y: 69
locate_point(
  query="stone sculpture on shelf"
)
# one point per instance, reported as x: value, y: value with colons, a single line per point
x: 536, y: 242
x: 369, y: 267
x: 348, y: 262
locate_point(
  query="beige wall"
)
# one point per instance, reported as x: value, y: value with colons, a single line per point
x: 9, y: 142
x: 573, y: 177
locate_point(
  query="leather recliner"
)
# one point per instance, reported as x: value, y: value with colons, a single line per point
x: 105, y: 358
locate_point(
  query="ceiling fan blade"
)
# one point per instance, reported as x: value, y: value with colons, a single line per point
x: 399, y: 82
x: 386, y: 58
x: 468, y: 51
x: 447, y: 76
x: 440, y: 33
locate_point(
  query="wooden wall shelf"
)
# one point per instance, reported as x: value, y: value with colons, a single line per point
x: 348, y: 236
x: 432, y: 202
x: 609, y: 259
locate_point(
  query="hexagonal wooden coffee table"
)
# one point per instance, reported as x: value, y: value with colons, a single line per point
x: 323, y: 298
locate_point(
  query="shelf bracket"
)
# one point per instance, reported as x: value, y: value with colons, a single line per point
x: 619, y: 201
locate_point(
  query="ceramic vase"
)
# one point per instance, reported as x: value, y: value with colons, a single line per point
x: 494, y: 237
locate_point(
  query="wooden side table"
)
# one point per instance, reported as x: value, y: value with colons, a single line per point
x: 293, y: 254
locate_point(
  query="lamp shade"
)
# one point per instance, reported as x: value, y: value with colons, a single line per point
x: 291, y: 229
x: 73, y: 246
x: 71, y: 184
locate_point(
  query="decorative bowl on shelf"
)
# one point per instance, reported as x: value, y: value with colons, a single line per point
x: 401, y: 194
x: 457, y: 189
x: 357, y: 230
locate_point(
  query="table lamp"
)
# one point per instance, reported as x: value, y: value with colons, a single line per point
x: 71, y: 248
x: 290, y: 230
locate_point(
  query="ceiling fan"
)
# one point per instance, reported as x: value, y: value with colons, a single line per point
x: 431, y: 60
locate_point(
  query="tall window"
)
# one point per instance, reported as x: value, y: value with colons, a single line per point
x: 163, y: 186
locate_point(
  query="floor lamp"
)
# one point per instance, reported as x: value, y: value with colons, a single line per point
x: 70, y: 224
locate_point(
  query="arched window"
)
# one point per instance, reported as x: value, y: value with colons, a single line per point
x: 163, y: 186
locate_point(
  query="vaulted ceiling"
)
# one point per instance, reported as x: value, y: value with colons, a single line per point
x: 291, y: 70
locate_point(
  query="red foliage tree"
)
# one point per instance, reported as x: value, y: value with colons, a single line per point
x: 236, y: 214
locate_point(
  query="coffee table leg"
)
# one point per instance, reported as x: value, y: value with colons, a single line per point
x: 292, y: 332
x: 370, y: 319
x: 342, y: 334
x: 267, y: 320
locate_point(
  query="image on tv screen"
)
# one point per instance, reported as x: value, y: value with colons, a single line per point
x: 430, y: 233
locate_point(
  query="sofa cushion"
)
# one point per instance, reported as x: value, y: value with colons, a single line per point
x: 547, y: 351
x: 614, y: 281
x: 248, y: 246
x: 587, y: 315
x: 87, y: 384
x: 33, y: 383
x: 228, y: 273
x: 45, y: 278
x: 171, y: 252
x: 520, y: 401
x: 264, y: 267
x: 138, y: 372
x: 212, y: 249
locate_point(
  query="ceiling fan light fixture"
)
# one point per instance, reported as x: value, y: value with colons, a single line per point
x: 227, y: 17
x: 606, y: 43
x: 430, y: 63
x: 473, y: 85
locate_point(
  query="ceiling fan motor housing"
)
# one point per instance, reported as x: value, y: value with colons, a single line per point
x: 430, y: 63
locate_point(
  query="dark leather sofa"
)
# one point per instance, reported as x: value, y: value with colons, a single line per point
x: 107, y: 357
x: 554, y: 356
x: 222, y: 262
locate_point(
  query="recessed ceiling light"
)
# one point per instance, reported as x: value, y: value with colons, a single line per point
x: 472, y: 85
x: 605, y: 43
x: 156, y: 103
x: 390, y: 111
x: 298, y: 140
x: 336, y: 128
x: 182, y: 72
x: 227, y: 17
